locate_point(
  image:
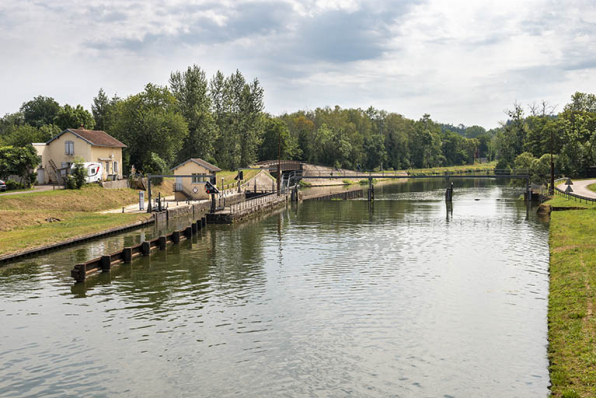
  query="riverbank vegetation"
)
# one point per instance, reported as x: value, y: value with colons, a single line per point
x: 572, y: 303
x: 222, y: 120
x: 40, y: 218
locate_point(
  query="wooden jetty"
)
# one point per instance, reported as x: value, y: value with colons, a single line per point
x: 82, y: 271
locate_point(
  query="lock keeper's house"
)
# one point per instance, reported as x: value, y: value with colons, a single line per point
x: 93, y: 146
x: 194, y: 188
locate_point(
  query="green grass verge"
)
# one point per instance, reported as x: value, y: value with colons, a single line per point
x: 561, y: 201
x: 229, y: 175
x: 71, y: 225
x: 475, y: 166
x: 592, y: 187
x: 572, y: 304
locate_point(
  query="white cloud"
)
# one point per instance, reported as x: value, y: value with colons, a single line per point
x: 460, y: 61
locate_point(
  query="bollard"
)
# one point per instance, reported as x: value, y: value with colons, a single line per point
x: 199, y: 224
x: 204, y: 221
x: 176, y: 237
x: 194, y: 228
x: 146, y: 248
x: 127, y: 254
x: 106, y: 263
x: 162, y: 242
x: 188, y: 232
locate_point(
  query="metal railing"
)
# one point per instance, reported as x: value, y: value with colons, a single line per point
x: 569, y: 195
x: 253, y: 202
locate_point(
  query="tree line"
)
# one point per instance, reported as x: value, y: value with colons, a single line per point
x: 222, y: 120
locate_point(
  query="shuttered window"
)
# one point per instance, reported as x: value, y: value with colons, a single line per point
x: 69, y: 147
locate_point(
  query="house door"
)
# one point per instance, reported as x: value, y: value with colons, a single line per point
x: 178, y: 187
x: 40, y: 177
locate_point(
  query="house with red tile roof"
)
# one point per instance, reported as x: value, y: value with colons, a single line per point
x: 92, y: 146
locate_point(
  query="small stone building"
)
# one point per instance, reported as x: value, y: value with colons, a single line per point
x: 90, y: 145
x: 193, y: 188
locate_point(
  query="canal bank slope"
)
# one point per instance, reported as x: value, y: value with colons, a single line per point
x: 572, y: 301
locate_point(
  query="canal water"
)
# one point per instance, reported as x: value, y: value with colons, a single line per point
x: 406, y: 297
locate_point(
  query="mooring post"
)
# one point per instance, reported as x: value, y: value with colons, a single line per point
x: 162, y: 242
x: 106, y: 263
x: 146, y: 248
x: 199, y: 224
x: 176, y: 237
x: 194, y: 228
x: 82, y: 273
x: 127, y: 254
x: 188, y: 232
x: 371, y: 190
x: 204, y: 221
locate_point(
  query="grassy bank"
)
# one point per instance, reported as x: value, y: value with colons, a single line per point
x: 71, y: 225
x: 572, y: 301
x: 41, y: 218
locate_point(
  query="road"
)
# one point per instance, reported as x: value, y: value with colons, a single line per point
x: 580, y: 188
x: 36, y: 188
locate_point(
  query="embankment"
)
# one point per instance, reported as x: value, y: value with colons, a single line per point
x: 572, y: 303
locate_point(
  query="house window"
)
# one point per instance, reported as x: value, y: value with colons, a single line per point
x: 115, y: 167
x: 69, y: 147
x: 196, y: 178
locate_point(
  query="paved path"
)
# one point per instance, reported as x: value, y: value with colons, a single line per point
x: 36, y: 188
x: 580, y: 188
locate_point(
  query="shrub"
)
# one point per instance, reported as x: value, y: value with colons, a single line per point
x: 77, y: 178
x: 13, y: 185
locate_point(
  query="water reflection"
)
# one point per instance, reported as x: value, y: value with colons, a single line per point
x: 409, y: 296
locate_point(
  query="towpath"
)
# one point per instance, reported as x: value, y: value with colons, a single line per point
x: 580, y: 187
x: 37, y: 188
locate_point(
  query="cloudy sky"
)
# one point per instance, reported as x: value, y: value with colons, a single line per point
x: 460, y: 61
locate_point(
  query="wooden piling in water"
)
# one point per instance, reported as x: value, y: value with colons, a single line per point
x: 176, y: 237
x: 127, y: 254
x: 106, y: 263
x: 163, y: 241
x: 146, y: 248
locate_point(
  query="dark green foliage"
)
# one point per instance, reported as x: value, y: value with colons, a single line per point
x: 103, y: 110
x: 40, y: 111
x: 19, y: 161
x: 13, y: 185
x: 238, y: 112
x: 191, y: 90
x: 149, y: 123
x: 74, y: 118
x: 277, y: 137
x: 76, y: 179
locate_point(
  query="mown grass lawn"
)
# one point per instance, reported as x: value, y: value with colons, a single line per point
x: 561, y: 201
x: 572, y: 301
x: 70, y: 225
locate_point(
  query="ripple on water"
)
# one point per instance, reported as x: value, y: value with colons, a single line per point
x: 404, y: 297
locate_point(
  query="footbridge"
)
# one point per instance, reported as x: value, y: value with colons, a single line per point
x: 447, y: 176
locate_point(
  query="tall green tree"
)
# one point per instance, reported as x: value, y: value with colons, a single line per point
x: 191, y: 89
x: 150, y: 123
x: 40, y: 110
x: 103, y: 110
x: 69, y: 117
